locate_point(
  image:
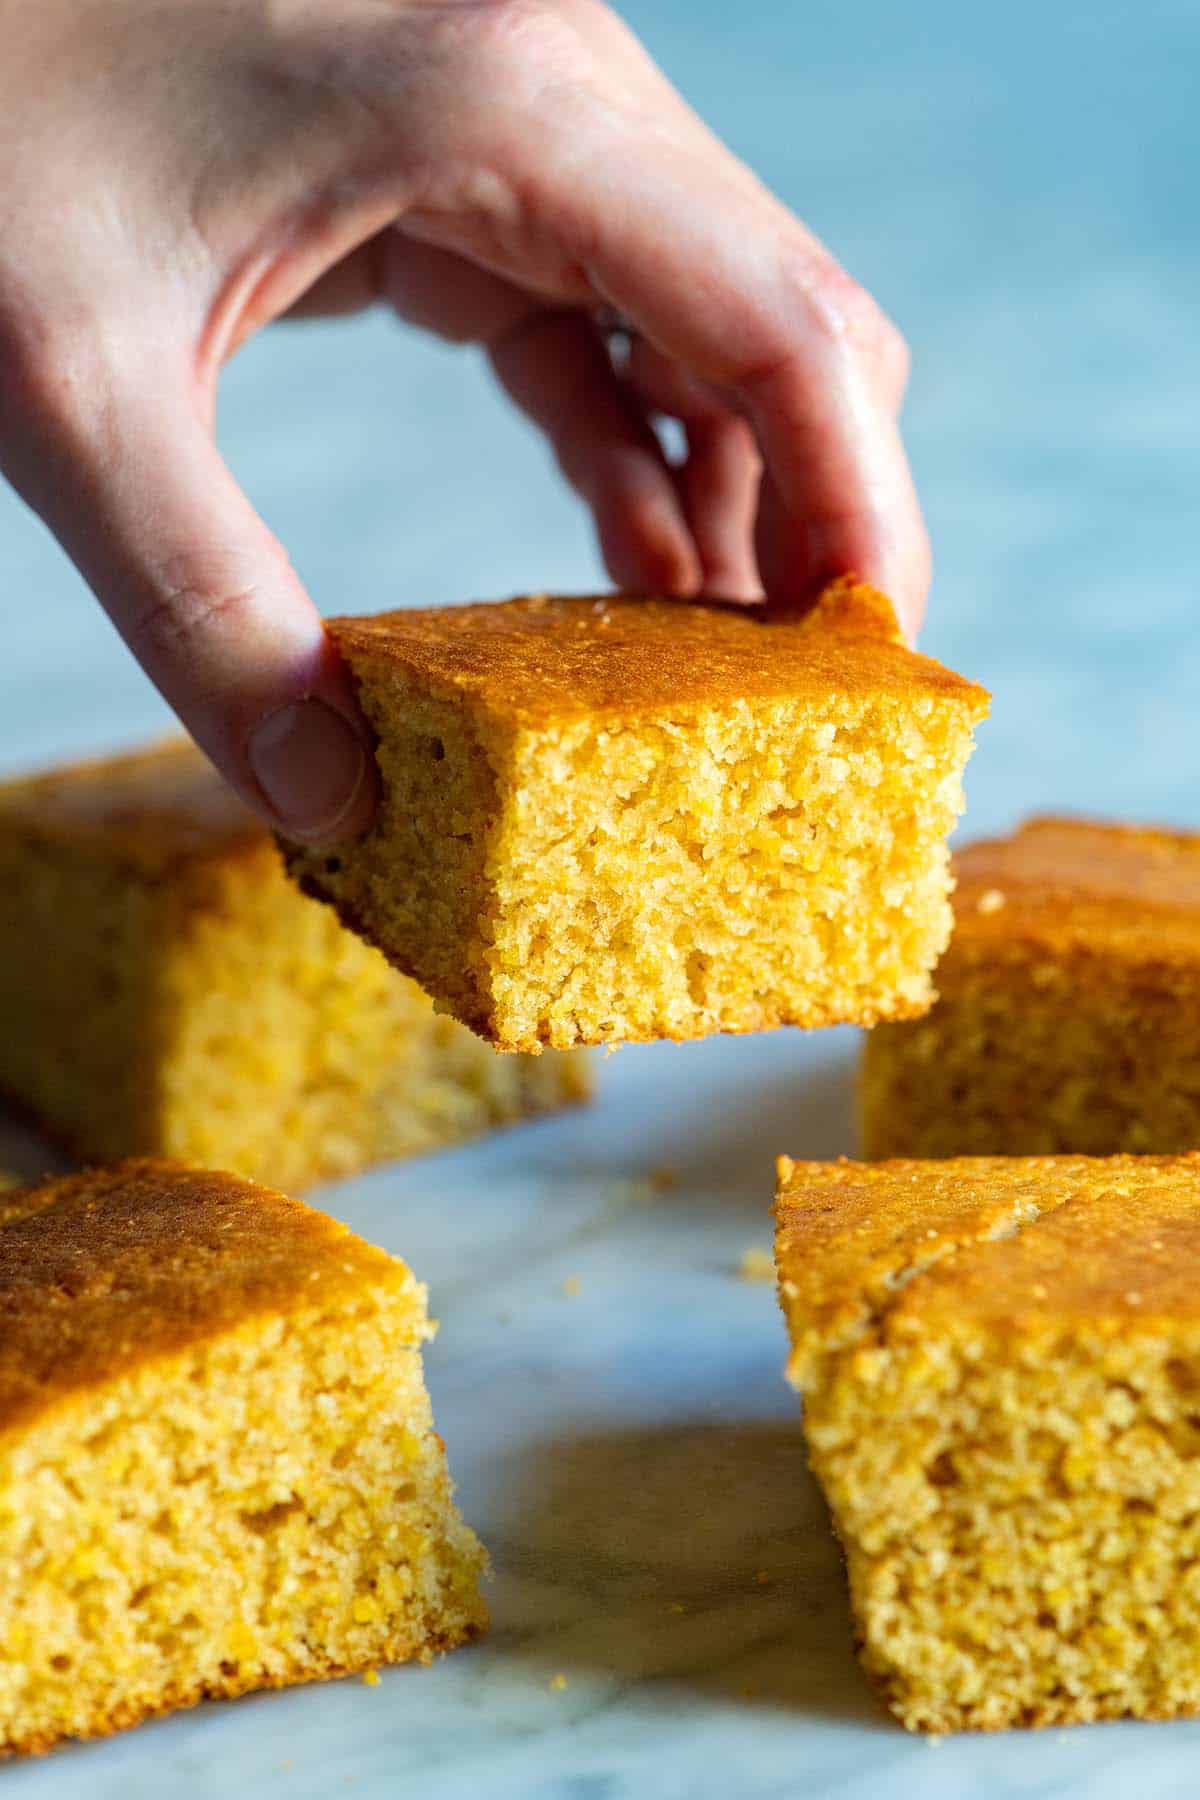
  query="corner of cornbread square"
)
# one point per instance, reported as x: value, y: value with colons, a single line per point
x: 1000, y: 1364
x: 1068, y: 1011
x: 166, y: 991
x: 218, y: 1468
x: 617, y: 819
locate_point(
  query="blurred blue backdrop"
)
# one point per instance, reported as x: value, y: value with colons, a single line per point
x: 1018, y: 186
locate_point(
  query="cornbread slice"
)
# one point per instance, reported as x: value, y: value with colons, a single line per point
x: 166, y: 991
x: 1000, y: 1363
x: 1068, y: 1016
x: 218, y: 1469
x: 611, y: 819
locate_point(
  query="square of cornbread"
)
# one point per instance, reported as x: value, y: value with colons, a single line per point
x: 1068, y: 1011
x: 218, y: 1468
x: 166, y: 991
x: 616, y: 819
x: 1000, y: 1364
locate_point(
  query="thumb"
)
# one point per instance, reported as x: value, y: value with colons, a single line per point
x: 129, y: 479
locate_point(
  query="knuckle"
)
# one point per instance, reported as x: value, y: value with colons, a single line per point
x: 895, y: 358
x: 845, y: 310
x: 839, y: 311
x: 192, y: 596
x: 497, y: 36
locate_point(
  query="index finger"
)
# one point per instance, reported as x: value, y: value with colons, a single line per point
x: 719, y: 276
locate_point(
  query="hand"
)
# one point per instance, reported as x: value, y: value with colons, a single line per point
x: 175, y: 177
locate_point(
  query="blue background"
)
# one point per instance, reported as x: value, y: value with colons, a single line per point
x: 1018, y: 186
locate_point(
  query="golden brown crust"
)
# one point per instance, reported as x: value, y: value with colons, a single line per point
x: 104, y: 1271
x: 151, y: 807
x: 541, y: 660
x: 1031, y: 1244
x: 315, y: 1667
x: 1059, y: 885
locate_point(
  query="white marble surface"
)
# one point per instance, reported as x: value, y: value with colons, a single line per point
x: 626, y: 1450
x: 1018, y: 185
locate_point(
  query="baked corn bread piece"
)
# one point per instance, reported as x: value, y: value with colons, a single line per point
x: 1000, y: 1364
x: 166, y: 991
x: 615, y: 819
x: 218, y: 1468
x: 1068, y: 1016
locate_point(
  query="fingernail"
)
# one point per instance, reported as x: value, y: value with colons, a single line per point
x: 310, y: 764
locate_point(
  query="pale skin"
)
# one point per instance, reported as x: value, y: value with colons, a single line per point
x: 509, y: 173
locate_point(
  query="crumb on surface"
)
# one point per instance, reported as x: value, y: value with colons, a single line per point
x: 572, y: 1286
x: 757, y: 1264
x: 558, y: 1683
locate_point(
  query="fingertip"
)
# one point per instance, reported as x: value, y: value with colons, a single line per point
x: 313, y: 770
x: 646, y: 563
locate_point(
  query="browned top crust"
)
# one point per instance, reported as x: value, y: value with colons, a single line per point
x: 150, y: 807
x: 1026, y: 1245
x: 540, y: 660
x: 105, y: 1271
x: 1058, y: 884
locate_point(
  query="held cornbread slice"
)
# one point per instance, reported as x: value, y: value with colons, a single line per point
x: 1000, y: 1364
x: 218, y: 1469
x: 614, y: 819
x: 166, y: 991
x: 1068, y: 1016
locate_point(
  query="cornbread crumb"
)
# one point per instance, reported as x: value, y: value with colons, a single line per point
x: 370, y: 1677
x: 572, y: 1286
x: 218, y: 1468
x: 606, y: 820
x: 756, y: 1264
x: 558, y: 1683
x: 1069, y: 1014
x: 166, y: 991
x: 1005, y: 1429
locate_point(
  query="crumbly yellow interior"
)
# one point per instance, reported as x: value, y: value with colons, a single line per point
x: 297, y: 1053
x: 1000, y: 1365
x: 750, y: 865
x: 218, y: 1016
x: 1021, y: 1525
x: 1020, y: 1057
x: 271, y: 1507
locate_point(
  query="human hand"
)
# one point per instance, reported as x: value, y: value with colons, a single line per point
x: 503, y: 172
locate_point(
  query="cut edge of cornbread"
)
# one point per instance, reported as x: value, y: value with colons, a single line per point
x: 1068, y: 1011
x: 218, y: 1467
x: 1000, y: 1364
x: 168, y: 992
x: 659, y: 867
